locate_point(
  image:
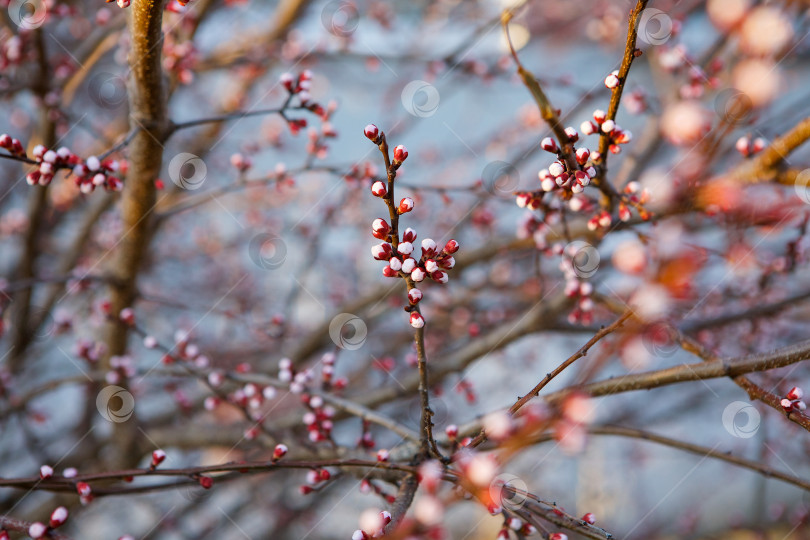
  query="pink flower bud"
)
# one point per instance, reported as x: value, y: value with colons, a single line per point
x: 556, y: 169
x: 587, y: 128
x: 400, y: 153
x: 380, y: 229
x: 583, y: 154
x: 58, y: 517
x: 405, y: 248
x: 418, y: 274
x: 417, y: 321
x: 612, y: 80
x: 599, y: 116
x: 45, y: 472
x: 786, y: 404
x: 523, y: 199
x: 589, y: 518
x: 206, y: 482
x: 608, y: 126
x: 279, y: 452
x: 429, y: 247
x: 439, y: 276
x: 409, y: 235
x: 573, y: 136
x: 451, y: 431
x: 389, y: 272
x: 405, y: 205
x: 127, y: 316
x: 378, y: 189
x: 408, y: 265
x: 558, y: 536
x: 157, y: 457
x: 382, y: 454
x: 371, y: 132
x: 37, y: 530
x: 447, y: 263
x: 83, y: 489
x: 395, y: 264
x: 451, y: 247
x: 549, y: 145
x: 795, y: 393
x: 382, y: 252
x: 431, y: 266
x: 414, y: 296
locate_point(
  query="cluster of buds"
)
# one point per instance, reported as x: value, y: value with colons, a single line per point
x: 616, y: 135
x: 121, y: 367
x: 40, y: 530
x: 747, y: 147
x: 793, y: 400
x: 299, y: 87
x: 183, y: 349
x: 398, y: 252
x: 94, y: 173
x: 297, y: 380
x: 251, y: 397
x: 240, y: 162
x: 318, y: 418
x: 328, y: 381
x: 373, y: 525
x: 49, y: 163
x: 14, y: 146
x: 366, y: 439
x: 517, y: 525
x: 85, y: 492
x: 314, y: 478
x: 180, y: 58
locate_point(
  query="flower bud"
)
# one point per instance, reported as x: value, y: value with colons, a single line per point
x: 157, y: 457
x: 58, y: 517
x: 451, y: 247
x: 372, y: 132
x: 400, y: 153
x: 405, y: 205
x: 417, y: 321
x: 414, y: 296
x: 378, y: 189
x: 279, y: 452
x: 549, y: 145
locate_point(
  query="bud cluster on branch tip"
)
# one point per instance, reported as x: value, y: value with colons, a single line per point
x: 747, y: 147
x: 12, y: 145
x: 158, y: 456
x: 314, y: 478
x: 299, y: 87
x: 319, y: 419
x: 94, y: 173
x: 793, y: 400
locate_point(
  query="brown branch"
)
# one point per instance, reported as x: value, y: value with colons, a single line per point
x: 711, y: 369
x: 765, y: 165
x: 147, y: 105
x: 583, y: 351
x: 624, y: 69
x: 405, y: 494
